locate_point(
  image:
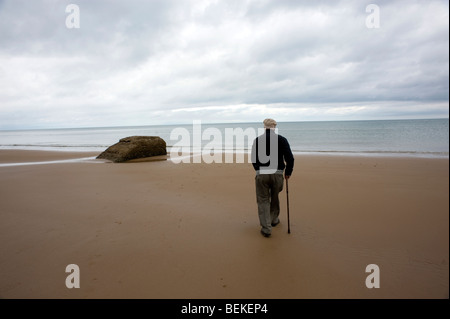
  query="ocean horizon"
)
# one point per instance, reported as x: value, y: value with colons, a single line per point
x: 409, y: 137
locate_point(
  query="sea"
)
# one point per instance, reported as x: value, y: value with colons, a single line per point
x: 416, y: 138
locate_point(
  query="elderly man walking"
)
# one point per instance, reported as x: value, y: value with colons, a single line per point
x: 271, y: 155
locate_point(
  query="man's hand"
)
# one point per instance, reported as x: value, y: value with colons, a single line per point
x: 287, y: 176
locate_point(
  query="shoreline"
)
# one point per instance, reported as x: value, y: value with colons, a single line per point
x: 182, y: 231
x: 13, y: 157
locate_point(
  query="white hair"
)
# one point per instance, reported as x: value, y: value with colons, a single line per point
x: 270, y: 123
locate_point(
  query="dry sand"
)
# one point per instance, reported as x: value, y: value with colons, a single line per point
x: 164, y: 230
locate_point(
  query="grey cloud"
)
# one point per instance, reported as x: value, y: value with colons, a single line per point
x: 165, y: 55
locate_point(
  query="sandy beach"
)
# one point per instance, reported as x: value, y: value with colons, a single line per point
x: 168, y: 231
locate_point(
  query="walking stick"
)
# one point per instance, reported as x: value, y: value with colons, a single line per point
x: 287, y: 198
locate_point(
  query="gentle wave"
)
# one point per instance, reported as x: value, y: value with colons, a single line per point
x: 423, y: 137
x: 412, y: 153
x: 100, y: 148
x: 74, y: 160
x: 51, y: 145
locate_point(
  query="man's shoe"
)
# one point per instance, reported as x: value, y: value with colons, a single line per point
x: 274, y: 224
x: 264, y: 234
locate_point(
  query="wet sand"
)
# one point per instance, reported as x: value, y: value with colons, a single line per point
x: 168, y: 231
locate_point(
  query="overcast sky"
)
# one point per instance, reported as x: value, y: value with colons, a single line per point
x: 175, y: 61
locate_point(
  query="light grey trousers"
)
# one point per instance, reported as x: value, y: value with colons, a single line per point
x: 268, y: 186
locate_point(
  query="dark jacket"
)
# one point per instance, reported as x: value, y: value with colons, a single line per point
x: 285, y: 157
